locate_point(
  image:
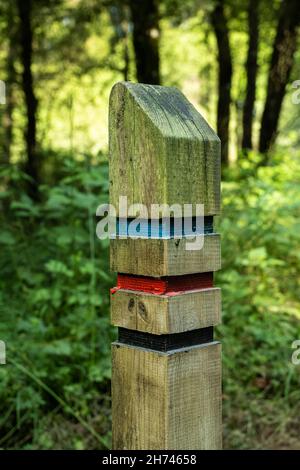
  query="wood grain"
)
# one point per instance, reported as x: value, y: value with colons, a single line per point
x: 166, y: 400
x: 162, y: 151
x: 164, y: 257
x: 163, y: 314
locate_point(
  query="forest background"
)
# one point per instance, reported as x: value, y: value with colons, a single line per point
x: 238, y: 62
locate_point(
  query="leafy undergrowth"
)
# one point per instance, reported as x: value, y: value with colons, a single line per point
x: 261, y: 307
x: 54, y: 311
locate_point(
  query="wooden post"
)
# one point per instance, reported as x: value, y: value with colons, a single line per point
x: 166, y: 379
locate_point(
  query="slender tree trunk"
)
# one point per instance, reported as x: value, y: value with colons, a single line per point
x: 125, y: 38
x: 279, y: 73
x: 10, y: 80
x: 26, y: 38
x: 9, y: 106
x: 220, y: 27
x: 145, y: 19
x: 251, y: 68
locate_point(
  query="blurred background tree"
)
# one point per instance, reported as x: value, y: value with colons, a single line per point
x: 236, y: 61
x: 284, y: 48
x: 251, y: 67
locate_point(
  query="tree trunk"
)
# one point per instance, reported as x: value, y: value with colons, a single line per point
x: 145, y: 19
x: 251, y: 68
x: 9, y: 107
x: 279, y: 73
x: 220, y: 27
x: 10, y: 80
x: 26, y: 39
x: 125, y: 39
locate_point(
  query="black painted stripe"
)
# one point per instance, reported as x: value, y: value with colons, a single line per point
x: 166, y: 342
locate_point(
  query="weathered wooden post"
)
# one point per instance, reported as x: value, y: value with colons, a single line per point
x: 166, y: 382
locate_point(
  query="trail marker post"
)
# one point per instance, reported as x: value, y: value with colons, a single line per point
x: 166, y: 377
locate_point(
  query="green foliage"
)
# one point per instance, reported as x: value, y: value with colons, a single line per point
x: 54, y: 309
x: 53, y: 301
x: 261, y: 306
x: 55, y: 280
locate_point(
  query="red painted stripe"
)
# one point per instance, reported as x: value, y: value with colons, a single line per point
x: 167, y: 285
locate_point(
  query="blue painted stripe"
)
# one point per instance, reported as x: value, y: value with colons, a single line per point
x: 162, y: 229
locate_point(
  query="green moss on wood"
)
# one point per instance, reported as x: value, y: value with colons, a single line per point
x: 162, y: 150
